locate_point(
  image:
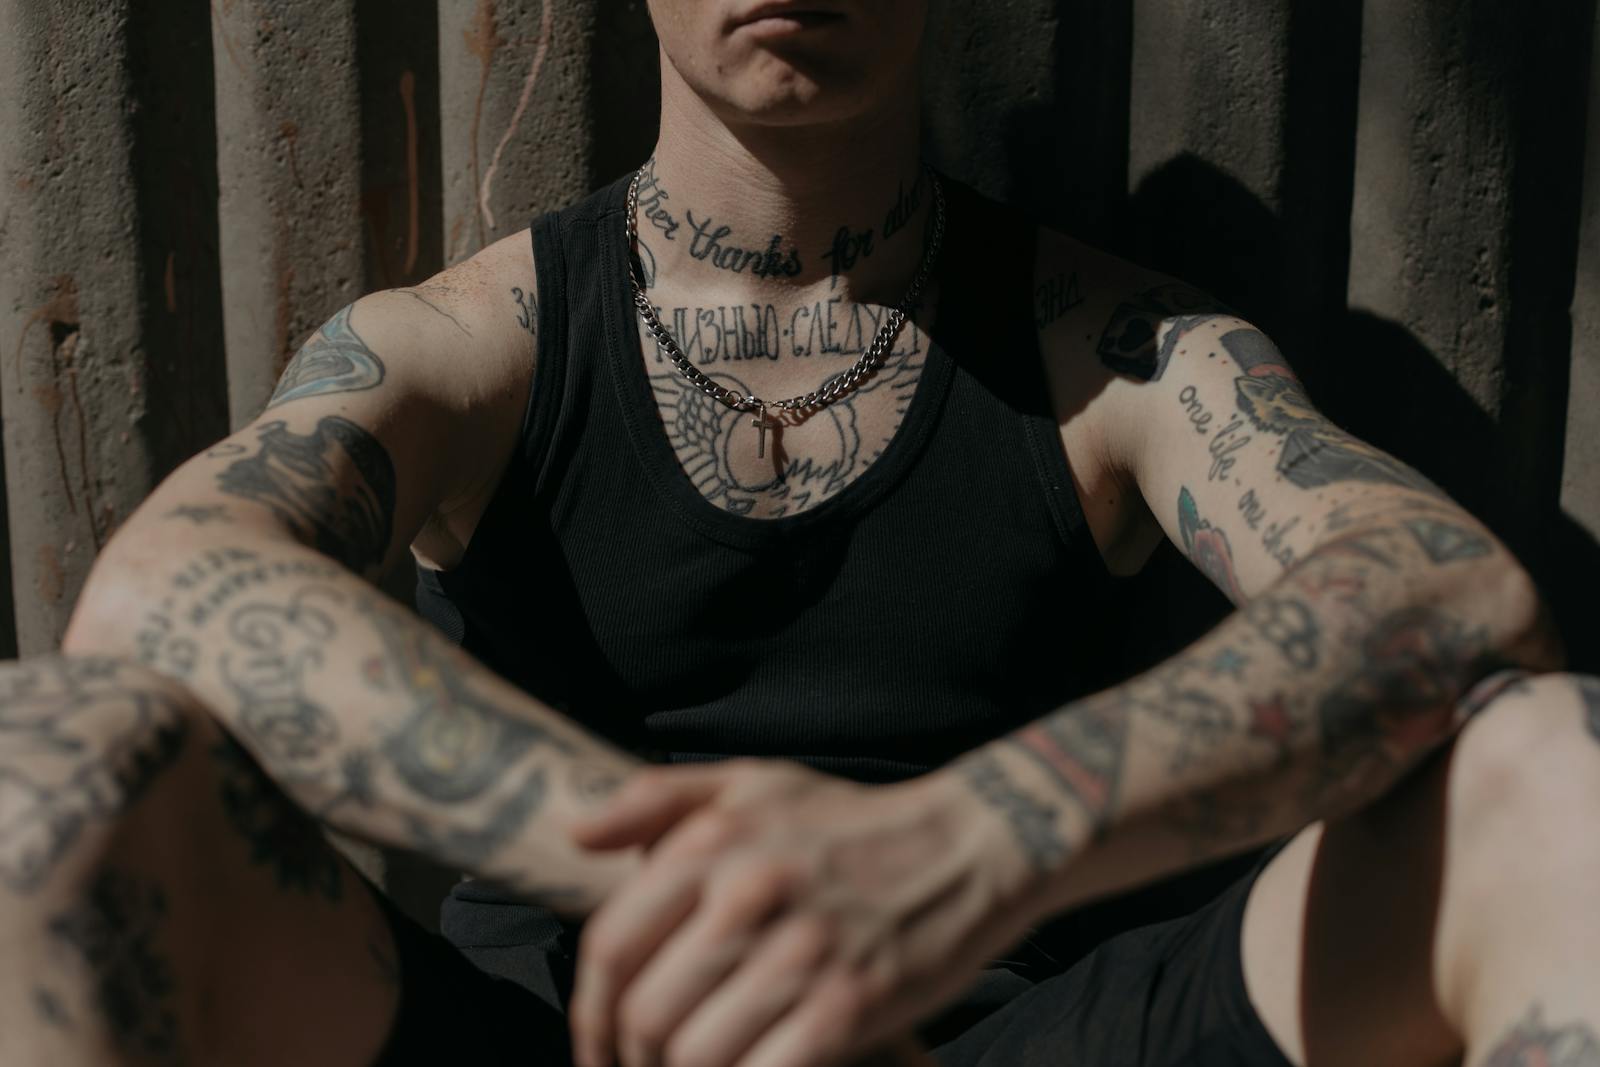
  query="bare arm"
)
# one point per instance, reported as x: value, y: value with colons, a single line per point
x: 1369, y: 605
x: 246, y: 576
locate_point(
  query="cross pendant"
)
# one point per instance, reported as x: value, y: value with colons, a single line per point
x: 761, y: 424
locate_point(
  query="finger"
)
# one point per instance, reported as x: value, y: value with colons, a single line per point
x: 818, y: 1032
x: 650, y: 804
x: 768, y: 984
x: 696, y: 959
x: 619, y: 939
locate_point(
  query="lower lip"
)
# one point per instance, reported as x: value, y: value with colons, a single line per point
x: 789, y: 25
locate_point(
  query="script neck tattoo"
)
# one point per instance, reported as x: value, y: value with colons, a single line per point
x: 834, y: 388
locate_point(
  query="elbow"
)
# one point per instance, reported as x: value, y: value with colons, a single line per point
x: 1522, y: 630
x: 113, y: 609
x: 105, y: 621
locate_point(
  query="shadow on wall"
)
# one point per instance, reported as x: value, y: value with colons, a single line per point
x: 1369, y: 374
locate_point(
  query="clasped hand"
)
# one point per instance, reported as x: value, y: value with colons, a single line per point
x: 783, y: 918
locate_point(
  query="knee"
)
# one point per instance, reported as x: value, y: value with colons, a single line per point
x: 81, y: 740
x: 1532, y: 753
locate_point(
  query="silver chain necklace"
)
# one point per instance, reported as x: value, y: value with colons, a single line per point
x: 834, y: 388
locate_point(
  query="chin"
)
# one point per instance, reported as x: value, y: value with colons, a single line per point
x: 782, y: 94
x: 791, y: 62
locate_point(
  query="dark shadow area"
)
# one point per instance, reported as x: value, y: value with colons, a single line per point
x: 1068, y: 153
x: 1317, y: 188
x: 625, y: 59
x: 1379, y: 381
x: 1047, y: 134
x: 174, y: 163
x: 397, y: 53
x: 1548, y: 145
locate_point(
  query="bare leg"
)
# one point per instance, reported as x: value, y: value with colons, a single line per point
x: 1455, y: 918
x: 160, y: 903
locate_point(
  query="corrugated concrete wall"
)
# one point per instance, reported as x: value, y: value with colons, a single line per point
x: 1406, y: 194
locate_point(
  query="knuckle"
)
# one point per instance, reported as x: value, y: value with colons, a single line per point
x: 680, y: 1052
x: 754, y: 887
x: 602, y: 951
x: 712, y: 830
x: 641, y: 1022
x: 813, y: 937
x: 849, y: 1002
x: 645, y: 781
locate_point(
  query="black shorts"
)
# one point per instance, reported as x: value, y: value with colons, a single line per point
x: 1167, y: 995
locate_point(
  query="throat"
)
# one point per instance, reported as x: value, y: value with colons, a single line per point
x: 776, y: 245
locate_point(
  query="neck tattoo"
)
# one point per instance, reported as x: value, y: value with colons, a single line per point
x: 834, y: 388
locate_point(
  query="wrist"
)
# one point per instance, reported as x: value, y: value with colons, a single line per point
x: 549, y: 867
x: 982, y: 810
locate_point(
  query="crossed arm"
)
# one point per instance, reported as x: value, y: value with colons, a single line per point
x: 247, y: 576
x: 1369, y: 606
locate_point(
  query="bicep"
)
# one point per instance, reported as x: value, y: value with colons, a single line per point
x: 1242, y: 472
x: 363, y: 439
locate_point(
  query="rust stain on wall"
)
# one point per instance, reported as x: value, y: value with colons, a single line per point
x: 48, y: 396
x: 291, y: 139
x: 540, y: 50
x: 482, y: 40
x: 222, y: 33
x: 65, y: 362
x: 51, y: 580
x: 60, y: 311
x: 283, y: 313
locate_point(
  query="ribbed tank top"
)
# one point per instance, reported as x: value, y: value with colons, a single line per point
x: 943, y: 598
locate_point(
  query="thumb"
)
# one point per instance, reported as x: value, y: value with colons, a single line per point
x: 652, y: 802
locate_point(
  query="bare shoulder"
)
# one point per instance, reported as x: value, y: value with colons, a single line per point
x: 1101, y: 324
x: 481, y: 311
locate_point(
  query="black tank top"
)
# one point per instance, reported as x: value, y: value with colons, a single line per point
x: 948, y: 595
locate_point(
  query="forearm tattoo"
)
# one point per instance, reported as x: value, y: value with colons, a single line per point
x: 363, y: 712
x: 1313, y: 698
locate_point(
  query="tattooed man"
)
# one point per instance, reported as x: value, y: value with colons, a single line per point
x: 683, y: 486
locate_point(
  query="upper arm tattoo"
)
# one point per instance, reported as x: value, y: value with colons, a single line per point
x: 335, y: 360
x: 528, y: 306
x: 1207, y: 546
x: 1445, y: 542
x: 1534, y: 1043
x: 1589, y: 693
x: 1129, y: 344
x: 1315, y: 452
x: 334, y: 488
